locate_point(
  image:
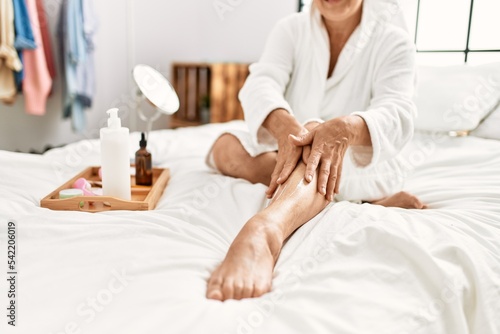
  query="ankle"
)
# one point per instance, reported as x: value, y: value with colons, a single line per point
x: 269, y: 231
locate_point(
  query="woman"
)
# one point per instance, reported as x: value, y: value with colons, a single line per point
x: 348, y: 63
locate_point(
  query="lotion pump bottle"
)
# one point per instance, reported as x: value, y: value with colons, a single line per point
x: 143, y: 164
x: 115, y: 160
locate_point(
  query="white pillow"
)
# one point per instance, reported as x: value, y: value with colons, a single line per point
x: 490, y: 128
x: 455, y: 98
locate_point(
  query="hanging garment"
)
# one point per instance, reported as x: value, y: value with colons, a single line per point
x: 37, y: 81
x: 77, y: 25
x: 86, y: 86
x: 9, y: 59
x: 46, y: 40
x: 22, y: 25
x: 24, y: 35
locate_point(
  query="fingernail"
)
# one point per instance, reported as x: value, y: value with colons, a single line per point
x: 278, y: 180
x: 323, y: 191
x: 309, y: 177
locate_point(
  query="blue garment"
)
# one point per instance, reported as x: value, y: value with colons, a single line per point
x: 77, y: 24
x: 24, y: 35
x: 22, y: 27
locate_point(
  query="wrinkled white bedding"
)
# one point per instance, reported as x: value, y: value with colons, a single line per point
x: 352, y: 269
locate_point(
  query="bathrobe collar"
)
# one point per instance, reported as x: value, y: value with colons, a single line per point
x: 376, y: 14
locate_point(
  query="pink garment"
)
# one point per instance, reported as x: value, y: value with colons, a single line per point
x: 37, y: 82
x: 47, y: 42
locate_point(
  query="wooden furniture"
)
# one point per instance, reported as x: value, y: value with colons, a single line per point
x: 213, y: 85
x: 143, y: 197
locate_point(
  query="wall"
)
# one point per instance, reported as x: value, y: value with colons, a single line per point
x: 153, y: 32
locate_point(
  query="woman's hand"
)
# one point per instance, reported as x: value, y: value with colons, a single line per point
x: 306, y: 150
x: 329, y: 142
x: 280, y: 123
x: 287, y: 158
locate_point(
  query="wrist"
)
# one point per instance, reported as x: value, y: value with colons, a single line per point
x: 353, y: 128
x: 359, y: 135
x: 280, y: 123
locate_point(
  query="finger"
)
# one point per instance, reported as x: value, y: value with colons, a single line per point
x: 332, y: 181
x: 339, y: 162
x: 313, y: 162
x: 289, y: 167
x: 306, y: 152
x: 339, y: 176
x: 303, y: 140
x: 272, y: 187
x: 274, y: 177
x: 324, y: 173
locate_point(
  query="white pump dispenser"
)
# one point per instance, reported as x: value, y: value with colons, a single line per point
x: 114, y: 121
x: 115, y: 158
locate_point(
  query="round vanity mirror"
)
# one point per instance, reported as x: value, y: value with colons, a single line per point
x: 156, y: 88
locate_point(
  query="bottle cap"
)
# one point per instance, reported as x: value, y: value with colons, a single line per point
x: 143, y: 143
x: 114, y: 121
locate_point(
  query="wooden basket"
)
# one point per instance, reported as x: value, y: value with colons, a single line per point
x: 143, y: 197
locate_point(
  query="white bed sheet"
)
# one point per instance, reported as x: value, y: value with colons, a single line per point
x: 352, y: 269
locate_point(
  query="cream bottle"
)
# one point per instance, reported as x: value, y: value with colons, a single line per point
x: 115, y: 160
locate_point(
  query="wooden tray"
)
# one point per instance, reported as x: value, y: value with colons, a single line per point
x: 143, y: 197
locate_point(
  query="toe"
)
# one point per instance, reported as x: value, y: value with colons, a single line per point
x: 238, y: 289
x: 261, y: 289
x: 228, y: 289
x: 214, y: 288
x: 247, y: 291
x: 416, y: 203
x: 214, y: 294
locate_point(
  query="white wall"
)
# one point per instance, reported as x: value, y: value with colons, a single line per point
x: 155, y: 32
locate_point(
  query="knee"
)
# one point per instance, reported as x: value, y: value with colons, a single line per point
x: 227, y: 152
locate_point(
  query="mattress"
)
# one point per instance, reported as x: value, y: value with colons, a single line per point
x: 354, y: 268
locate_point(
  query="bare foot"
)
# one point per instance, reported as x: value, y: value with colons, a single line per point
x: 401, y: 200
x: 247, y: 270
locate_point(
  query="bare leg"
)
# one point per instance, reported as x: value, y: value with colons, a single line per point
x: 247, y: 269
x: 232, y: 160
x: 248, y: 266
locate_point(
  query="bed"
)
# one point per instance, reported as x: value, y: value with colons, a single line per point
x: 355, y: 268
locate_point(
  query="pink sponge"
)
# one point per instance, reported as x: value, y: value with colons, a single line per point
x: 84, y: 185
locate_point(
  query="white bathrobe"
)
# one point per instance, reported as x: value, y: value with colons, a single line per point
x: 374, y: 78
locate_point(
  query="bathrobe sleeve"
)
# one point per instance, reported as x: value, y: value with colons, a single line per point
x: 265, y: 87
x: 391, y: 114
